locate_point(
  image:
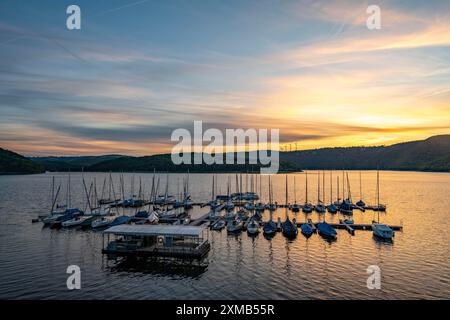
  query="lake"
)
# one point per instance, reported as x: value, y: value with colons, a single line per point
x: 33, y: 259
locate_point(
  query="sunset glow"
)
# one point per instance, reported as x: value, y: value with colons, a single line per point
x: 122, y: 83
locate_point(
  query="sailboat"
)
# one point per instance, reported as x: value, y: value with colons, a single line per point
x: 346, y: 206
x: 230, y: 216
x: 270, y: 228
x: 320, y: 207
x: 332, y: 208
x: 229, y: 205
x: 54, y: 214
x: 93, y: 202
x: 379, y: 206
x: 307, y: 207
x: 111, y: 194
x: 235, y: 225
x: 260, y: 206
x: 69, y: 213
x: 271, y: 205
x: 289, y: 228
x: 307, y: 229
x: 379, y: 229
x: 360, y: 203
x: 219, y: 225
x: 253, y: 227
x: 214, y: 203
x: 326, y: 230
x: 100, y: 223
x: 295, y: 207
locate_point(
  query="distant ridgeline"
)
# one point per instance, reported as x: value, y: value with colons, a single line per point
x: 13, y: 163
x: 432, y: 154
x: 161, y: 163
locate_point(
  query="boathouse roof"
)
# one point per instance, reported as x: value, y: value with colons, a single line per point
x: 155, y: 230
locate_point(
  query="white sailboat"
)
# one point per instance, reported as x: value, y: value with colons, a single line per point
x: 379, y: 229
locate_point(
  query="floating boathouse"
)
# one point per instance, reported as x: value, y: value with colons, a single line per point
x: 177, y: 241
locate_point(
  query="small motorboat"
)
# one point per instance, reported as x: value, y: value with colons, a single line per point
x: 289, y: 229
x: 100, y: 223
x: 326, y: 230
x: 272, y: 207
x: 253, y: 227
x: 219, y: 225
x: 235, y: 225
x: 307, y: 229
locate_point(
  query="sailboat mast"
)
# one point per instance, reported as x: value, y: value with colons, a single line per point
x: 331, y: 186
x: 287, y: 198
x: 295, y: 192
x: 360, y: 186
x: 68, y: 191
x: 306, y: 172
x: 338, y: 191
x: 378, y: 194
x: 318, y: 187
x: 53, y: 188
x: 323, y: 186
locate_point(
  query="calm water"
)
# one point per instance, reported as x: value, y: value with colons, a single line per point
x: 33, y: 260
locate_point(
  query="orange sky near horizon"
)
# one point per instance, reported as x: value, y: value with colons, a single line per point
x: 313, y: 70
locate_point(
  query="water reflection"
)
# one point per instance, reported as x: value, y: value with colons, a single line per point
x: 160, y: 267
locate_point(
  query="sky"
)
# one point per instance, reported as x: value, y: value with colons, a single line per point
x: 137, y: 70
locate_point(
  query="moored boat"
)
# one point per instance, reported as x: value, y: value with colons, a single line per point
x: 100, y: 223
x: 326, y: 230
x: 235, y: 226
x: 253, y: 227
